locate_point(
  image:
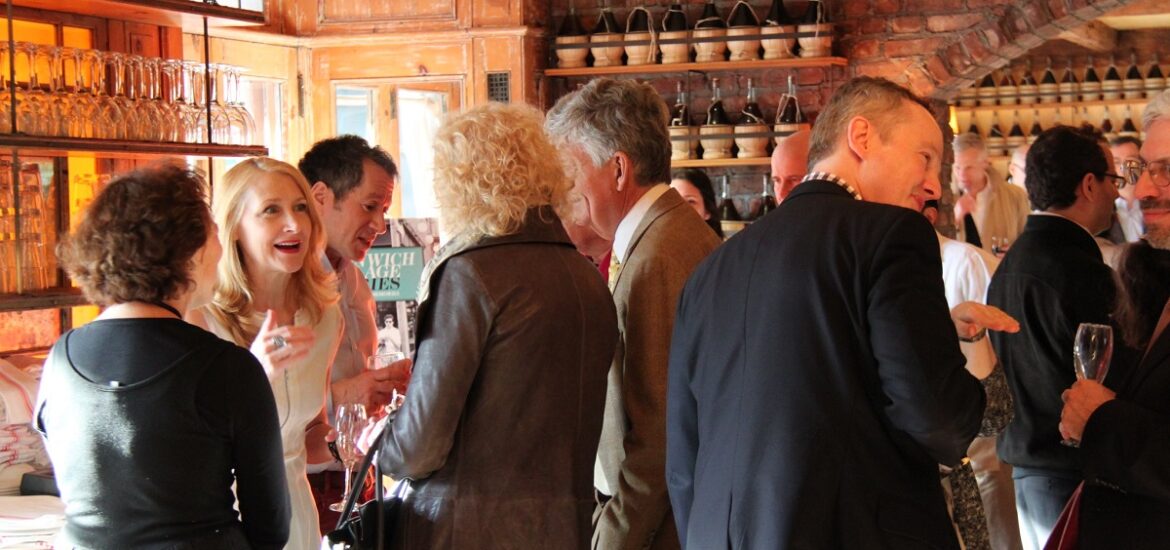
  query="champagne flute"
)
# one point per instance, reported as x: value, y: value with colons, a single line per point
x: 384, y: 360
x: 351, y: 422
x: 1092, y: 352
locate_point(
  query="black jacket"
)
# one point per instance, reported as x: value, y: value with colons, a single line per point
x: 1051, y: 280
x: 816, y: 383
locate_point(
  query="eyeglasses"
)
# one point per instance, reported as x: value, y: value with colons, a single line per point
x: 1159, y: 171
x: 1118, y: 181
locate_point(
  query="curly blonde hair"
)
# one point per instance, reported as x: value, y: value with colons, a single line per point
x: 312, y: 288
x: 492, y: 164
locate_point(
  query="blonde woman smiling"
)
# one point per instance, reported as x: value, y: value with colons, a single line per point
x: 275, y: 297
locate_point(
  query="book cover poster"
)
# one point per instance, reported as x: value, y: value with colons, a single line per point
x: 393, y: 268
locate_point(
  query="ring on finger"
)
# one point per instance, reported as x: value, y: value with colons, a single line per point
x: 278, y: 342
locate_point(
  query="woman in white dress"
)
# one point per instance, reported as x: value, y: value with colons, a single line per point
x: 274, y: 296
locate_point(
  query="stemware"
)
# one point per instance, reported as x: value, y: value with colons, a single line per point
x: 108, y: 121
x: 220, y: 122
x: 6, y: 89
x: 1092, y: 352
x: 350, y: 423
x: 128, y: 123
x: 243, y: 127
x: 32, y: 110
x: 60, y: 107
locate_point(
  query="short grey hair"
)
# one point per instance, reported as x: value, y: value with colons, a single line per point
x: 607, y: 116
x: 968, y: 141
x: 1158, y: 109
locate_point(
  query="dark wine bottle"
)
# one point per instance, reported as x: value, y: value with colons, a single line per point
x: 638, y: 21
x: 1155, y: 70
x: 778, y: 15
x: 727, y: 210
x: 1069, y: 76
x: 1036, y: 129
x: 571, y: 25
x: 1007, y: 81
x: 751, y: 113
x: 1049, y: 77
x: 715, y: 113
x: 815, y: 14
x: 1107, y: 124
x: 1029, y: 79
x: 1016, y: 131
x: 606, y: 22
x: 1111, y: 73
x: 767, y: 201
x: 987, y: 82
x: 1134, y: 73
x: 742, y: 15
x: 1128, y: 128
x: 1091, y: 72
x: 675, y: 19
x: 710, y: 18
x: 995, y: 131
x: 680, y: 114
x: 973, y: 128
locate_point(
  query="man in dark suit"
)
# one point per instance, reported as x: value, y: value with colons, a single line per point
x: 815, y: 378
x: 1125, y: 437
x: 614, y: 132
x: 1052, y: 280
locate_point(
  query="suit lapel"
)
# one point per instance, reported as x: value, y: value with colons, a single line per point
x: 664, y: 204
x: 1158, y: 353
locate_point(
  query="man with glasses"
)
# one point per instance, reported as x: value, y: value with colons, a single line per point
x: 1052, y: 279
x: 1128, y: 224
x: 1125, y: 437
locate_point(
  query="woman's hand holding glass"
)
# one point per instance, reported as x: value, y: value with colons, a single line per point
x: 279, y: 346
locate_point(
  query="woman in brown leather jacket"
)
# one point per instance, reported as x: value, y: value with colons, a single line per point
x: 516, y: 332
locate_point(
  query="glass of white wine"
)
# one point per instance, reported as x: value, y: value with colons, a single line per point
x: 351, y: 423
x: 1092, y: 352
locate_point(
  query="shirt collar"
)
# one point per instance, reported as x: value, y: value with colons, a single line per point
x: 625, y: 229
x: 1042, y: 213
x: 830, y: 177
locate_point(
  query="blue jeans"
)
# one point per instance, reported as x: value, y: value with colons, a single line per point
x: 1040, y: 498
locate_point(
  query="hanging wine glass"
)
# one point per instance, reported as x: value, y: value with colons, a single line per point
x: 32, y: 110
x: 83, y: 105
x: 33, y: 216
x: 152, y: 78
x: 196, y: 114
x: 220, y: 124
x: 108, y: 121
x: 6, y: 95
x: 150, y: 118
x: 175, y: 76
x: 60, y: 107
x: 243, y: 127
x: 129, y: 126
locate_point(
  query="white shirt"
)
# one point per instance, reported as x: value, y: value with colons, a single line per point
x: 967, y: 271
x: 1130, y: 219
x: 625, y: 229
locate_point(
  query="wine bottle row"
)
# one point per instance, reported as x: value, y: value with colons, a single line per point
x: 1011, y: 87
x: 729, y: 215
x: 1002, y: 142
x: 739, y: 37
x: 750, y: 134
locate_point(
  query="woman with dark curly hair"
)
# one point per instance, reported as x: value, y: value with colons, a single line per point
x: 150, y: 420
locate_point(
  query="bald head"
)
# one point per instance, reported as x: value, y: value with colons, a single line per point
x: 789, y: 163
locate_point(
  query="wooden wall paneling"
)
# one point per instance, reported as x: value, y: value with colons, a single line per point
x: 344, y: 11
x: 495, y: 13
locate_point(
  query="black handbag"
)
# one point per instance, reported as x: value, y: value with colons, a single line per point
x: 369, y: 528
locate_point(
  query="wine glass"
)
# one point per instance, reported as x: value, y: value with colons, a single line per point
x: 385, y: 360
x: 1092, y: 352
x: 350, y: 422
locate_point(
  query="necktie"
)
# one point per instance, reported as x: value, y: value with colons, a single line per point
x: 971, y: 232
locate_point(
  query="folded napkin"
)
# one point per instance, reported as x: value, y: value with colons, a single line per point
x: 30, y: 522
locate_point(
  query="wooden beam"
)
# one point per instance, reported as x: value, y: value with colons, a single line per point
x: 1094, y: 36
x: 1141, y: 7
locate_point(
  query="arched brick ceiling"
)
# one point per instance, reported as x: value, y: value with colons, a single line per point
x: 938, y: 47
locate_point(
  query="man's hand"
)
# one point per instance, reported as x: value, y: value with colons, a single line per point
x: 963, y: 206
x: 1080, y: 401
x: 372, y: 388
x: 971, y: 317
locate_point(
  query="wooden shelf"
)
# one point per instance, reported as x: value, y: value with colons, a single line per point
x: 714, y: 66
x: 171, y: 13
x: 720, y: 163
x: 108, y: 148
x: 1079, y: 104
x: 42, y: 299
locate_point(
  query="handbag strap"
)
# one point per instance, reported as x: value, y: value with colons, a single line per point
x: 356, y: 491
